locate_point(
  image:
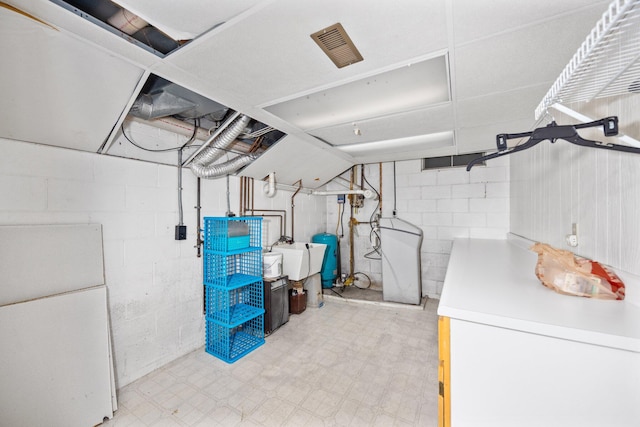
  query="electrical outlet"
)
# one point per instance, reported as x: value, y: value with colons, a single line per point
x: 572, y: 239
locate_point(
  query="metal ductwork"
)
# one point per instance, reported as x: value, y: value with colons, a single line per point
x: 160, y: 104
x: 202, y: 165
x: 226, y: 168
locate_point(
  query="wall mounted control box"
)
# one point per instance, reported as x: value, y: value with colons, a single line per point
x: 181, y: 232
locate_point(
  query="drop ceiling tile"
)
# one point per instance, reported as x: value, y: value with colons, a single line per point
x: 186, y: 20
x: 79, y: 100
x: 406, y: 88
x: 270, y: 56
x: 500, y: 107
x: 521, y: 58
x: 293, y: 159
x: 477, y: 19
x: 483, y: 138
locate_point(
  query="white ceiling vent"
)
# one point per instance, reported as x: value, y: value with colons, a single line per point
x: 336, y: 43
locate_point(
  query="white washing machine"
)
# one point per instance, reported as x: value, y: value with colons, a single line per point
x: 401, y: 271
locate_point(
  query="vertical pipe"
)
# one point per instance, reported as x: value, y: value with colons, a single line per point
x: 351, y: 220
x: 253, y: 187
x: 180, y: 211
x: 293, y: 207
x: 198, y: 213
x: 241, y: 211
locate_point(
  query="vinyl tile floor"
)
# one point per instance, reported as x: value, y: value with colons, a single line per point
x: 343, y: 364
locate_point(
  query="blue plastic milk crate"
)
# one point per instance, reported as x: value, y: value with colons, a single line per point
x: 230, y: 344
x: 232, y: 271
x: 224, y: 234
x: 234, y: 307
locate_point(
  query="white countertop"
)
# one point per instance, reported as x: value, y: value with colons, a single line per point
x: 493, y: 282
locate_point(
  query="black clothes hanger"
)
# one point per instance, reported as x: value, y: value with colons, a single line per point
x: 553, y: 132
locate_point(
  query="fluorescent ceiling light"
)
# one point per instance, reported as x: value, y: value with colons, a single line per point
x: 407, y: 88
x: 410, y: 143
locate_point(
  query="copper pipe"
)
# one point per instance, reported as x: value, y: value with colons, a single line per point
x: 269, y: 216
x: 293, y: 206
x: 351, y: 223
x: 253, y: 189
x: 284, y: 217
x: 241, y: 211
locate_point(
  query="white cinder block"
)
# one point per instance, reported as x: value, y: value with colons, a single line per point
x: 26, y: 159
x: 450, y: 233
x: 430, y: 288
x: 141, y: 199
x: 488, y: 233
x: 429, y: 177
x: 497, y: 189
x: 421, y: 206
x: 467, y: 191
x: 408, y: 180
x: 489, y: 174
x: 85, y: 196
x: 437, y: 218
x: 452, y: 176
x: 498, y: 220
x: 110, y: 170
x: 489, y: 205
x: 429, y: 231
x: 408, y: 167
x: 436, y: 273
x: 21, y: 193
x: 436, y: 260
x: 414, y: 218
x: 408, y: 193
x: 436, y: 246
x: 120, y: 226
x: 453, y: 205
x: 465, y: 219
x: 436, y: 192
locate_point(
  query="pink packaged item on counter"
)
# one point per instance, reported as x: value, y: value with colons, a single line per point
x: 569, y: 274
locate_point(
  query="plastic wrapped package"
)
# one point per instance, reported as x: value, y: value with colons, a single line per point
x: 569, y: 274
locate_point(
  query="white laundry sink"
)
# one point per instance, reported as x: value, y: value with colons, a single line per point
x: 301, y: 260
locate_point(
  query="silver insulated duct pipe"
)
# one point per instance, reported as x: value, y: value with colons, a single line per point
x: 202, y: 165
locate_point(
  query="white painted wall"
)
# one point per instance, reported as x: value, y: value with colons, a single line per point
x: 555, y: 185
x: 154, y: 282
x: 444, y: 203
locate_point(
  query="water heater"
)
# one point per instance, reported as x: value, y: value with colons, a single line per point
x: 329, y: 270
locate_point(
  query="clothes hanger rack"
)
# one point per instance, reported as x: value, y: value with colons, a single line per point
x: 553, y: 132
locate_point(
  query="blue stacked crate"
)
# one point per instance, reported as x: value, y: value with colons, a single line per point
x: 232, y: 272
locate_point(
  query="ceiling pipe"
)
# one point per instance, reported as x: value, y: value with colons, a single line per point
x: 213, y: 136
x: 269, y: 188
x: 368, y: 194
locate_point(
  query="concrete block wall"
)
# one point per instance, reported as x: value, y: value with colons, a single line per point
x: 154, y: 282
x: 445, y: 203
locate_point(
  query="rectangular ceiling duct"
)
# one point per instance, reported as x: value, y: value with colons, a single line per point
x: 337, y: 45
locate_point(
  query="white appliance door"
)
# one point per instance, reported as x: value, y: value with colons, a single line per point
x: 401, y: 272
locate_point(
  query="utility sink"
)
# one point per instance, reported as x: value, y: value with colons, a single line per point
x: 301, y: 260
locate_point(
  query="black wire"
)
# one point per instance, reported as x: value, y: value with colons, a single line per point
x: 368, y: 278
x: 371, y: 222
x: 164, y: 149
x: 394, y: 189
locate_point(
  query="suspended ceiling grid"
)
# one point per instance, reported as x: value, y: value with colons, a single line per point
x: 501, y: 59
